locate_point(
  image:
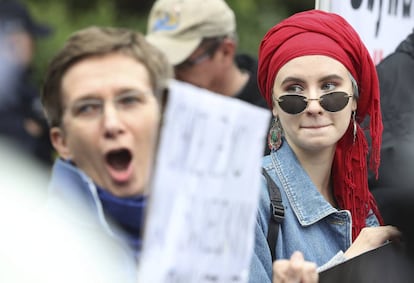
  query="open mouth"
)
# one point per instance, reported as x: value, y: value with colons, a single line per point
x: 119, y: 159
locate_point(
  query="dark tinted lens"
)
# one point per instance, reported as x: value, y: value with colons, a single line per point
x: 209, y: 47
x: 334, y: 101
x: 292, y: 103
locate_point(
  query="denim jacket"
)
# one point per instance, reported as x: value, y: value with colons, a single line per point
x: 311, y: 225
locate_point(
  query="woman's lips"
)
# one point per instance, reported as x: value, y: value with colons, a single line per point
x: 314, y: 126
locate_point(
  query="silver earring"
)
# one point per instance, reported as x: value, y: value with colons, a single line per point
x: 274, y: 138
x: 355, y: 125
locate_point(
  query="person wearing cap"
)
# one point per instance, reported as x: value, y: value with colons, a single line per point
x: 200, y: 41
x: 22, y: 119
x: 319, y: 93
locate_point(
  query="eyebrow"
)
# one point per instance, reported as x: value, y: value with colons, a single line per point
x: 299, y: 80
x: 83, y: 100
x: 124, y: 91
x: 331, y: 77
x: 291, y: 79
x: 95, y: 97
x: 118, y: 92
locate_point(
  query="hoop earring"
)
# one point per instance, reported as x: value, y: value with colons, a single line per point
x: 274, y: 138
x: 355, y: 125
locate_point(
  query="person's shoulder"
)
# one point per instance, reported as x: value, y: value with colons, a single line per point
x: 396, y: 60
x: 250, y: 92
x: 393, y: 60
x: 246, y: 62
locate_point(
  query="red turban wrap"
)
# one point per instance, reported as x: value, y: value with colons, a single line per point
x: 317, y: 32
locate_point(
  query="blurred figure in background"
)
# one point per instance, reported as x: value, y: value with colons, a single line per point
x: 21, y: 116
x: 86, y: 232
x: 394, y: 189
x: 200, y: 40
x: 395, y: 74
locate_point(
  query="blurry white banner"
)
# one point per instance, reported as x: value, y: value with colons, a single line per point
x: 200, y: 225
x: 382, y: 24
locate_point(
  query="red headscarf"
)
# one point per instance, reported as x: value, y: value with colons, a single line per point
x: 317, y: 32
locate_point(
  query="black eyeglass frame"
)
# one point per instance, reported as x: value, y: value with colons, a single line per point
x: 301, y: 98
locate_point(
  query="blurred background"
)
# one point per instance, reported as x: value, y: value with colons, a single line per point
x: 30, y: 34
x: 254, y: 18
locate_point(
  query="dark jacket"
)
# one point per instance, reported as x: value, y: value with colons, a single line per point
x: 250, y: 92
x: 396, y: 174
x: 396, y: 79
x: 20, y: 102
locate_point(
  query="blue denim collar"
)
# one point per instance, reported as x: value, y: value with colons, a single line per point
x: 307, y: 203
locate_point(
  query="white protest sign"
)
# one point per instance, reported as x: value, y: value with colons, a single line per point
x: 381, y: 24
x: 200, y: 222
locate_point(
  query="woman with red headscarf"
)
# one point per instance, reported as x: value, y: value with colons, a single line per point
x: 320, y: 82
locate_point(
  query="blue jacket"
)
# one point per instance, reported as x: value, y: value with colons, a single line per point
x: 311, y: 225
x: 73, y: 198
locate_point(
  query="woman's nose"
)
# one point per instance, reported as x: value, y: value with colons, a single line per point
x: 313, y: 102
x: 112, y: 122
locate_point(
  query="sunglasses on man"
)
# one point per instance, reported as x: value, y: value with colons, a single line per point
x: 210, y: 45
x: 296, y: 103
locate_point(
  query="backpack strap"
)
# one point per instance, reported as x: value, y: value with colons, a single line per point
x: 277, y: 213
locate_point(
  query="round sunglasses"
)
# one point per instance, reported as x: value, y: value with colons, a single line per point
x: 296, y: 103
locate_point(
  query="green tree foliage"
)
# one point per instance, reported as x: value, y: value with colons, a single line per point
x: 254, y: 18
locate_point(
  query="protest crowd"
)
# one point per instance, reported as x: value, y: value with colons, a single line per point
x: 170, y: 155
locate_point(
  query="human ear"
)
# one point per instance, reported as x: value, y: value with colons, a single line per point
x: 228, y: 47
x: 274, y: 108
x: 274, y: 111
x: 354, y: 104
x: 58, y: 139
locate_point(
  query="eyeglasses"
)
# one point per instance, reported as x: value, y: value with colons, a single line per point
x: 296, y: 103
x: 208, y: 53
